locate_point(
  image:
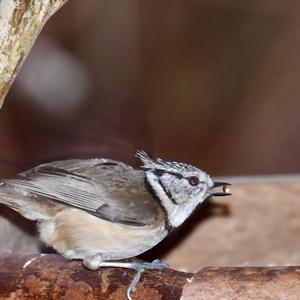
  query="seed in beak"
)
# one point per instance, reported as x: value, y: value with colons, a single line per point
x: 226, y: 189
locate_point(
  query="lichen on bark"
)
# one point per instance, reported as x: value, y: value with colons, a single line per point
x: 20, y: 23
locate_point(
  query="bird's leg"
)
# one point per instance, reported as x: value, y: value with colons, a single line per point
x: 94, y: 261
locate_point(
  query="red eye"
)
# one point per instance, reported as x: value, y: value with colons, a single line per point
x: 193, y: 180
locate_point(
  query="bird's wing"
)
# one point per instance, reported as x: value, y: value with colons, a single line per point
x: 105, y: 188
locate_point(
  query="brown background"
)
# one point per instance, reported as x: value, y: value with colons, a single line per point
x: 213, y: 83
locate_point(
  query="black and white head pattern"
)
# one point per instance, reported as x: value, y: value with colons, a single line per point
x: 180, y: 187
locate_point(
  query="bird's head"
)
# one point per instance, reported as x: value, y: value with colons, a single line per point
x: 179, y: 187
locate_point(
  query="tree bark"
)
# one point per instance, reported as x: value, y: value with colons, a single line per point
x: 20, y: 23
x: 250, y: 283
x: 52, y: 277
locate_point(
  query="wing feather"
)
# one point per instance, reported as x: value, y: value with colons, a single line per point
x: 105, y: 188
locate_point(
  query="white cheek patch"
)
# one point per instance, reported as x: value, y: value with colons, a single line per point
x: 182, y: 212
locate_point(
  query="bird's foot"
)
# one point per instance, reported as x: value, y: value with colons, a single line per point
x: 140, y: 268
x: 94, y: 262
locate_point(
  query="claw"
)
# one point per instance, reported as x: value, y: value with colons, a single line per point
x: 133, y: 283
x: 140, y: 268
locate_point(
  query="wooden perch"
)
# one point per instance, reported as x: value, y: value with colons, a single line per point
x: 52, y: 277
x: 251, y: 283
x: 20, y: 23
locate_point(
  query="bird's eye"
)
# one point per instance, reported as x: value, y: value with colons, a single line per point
x: 193, y: 180
x: 159, y: 172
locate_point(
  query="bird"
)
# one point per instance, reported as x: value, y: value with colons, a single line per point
x: 103, y: 211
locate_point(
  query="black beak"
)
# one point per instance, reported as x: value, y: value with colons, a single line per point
x: 217, y: 184
x: 224, y: 185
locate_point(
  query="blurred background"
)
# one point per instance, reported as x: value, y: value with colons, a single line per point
x: 212, y: 83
